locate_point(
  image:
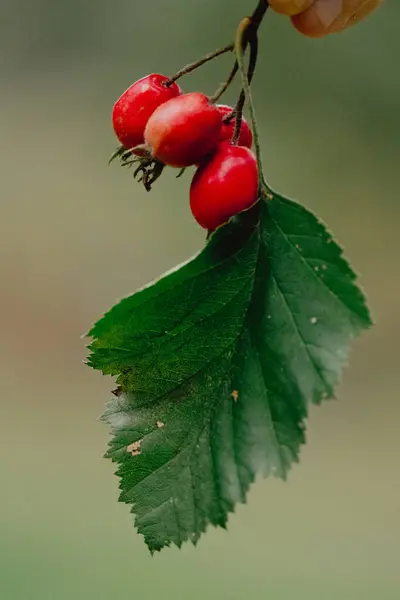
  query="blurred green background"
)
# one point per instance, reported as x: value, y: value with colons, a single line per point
x: 77, y: 235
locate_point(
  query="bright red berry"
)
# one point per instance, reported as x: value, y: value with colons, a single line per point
x: 228, y: 128
x: 182, y: 131
x: 225, y: 184
x: 134, y: 108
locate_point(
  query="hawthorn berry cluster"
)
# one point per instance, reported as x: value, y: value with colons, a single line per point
x: 158, y: 125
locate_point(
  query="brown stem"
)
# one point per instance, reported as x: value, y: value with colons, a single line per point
x: 240, y: 35
x: 250, y: 33
x: 238, y: 112
x: 256, y: 19
x: 259, y: 13
x: 195, y: 65
x: 222, y: 89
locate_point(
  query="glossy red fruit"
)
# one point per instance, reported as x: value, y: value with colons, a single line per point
x: 182, y: 131
x: 228, y: 129
x: 134, y: 108
x: 224, y: 185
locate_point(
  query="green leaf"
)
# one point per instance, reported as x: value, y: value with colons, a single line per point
x: 217, y: 363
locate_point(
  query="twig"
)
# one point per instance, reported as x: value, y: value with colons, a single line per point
x: 222, y: 89
x: 250, y: 73
x: 195, y: 65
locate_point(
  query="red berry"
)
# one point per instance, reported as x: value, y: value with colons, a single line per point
x: 228, y: 129
x: 182, y: 131
x: 133, y: 109
x: 224, y: 185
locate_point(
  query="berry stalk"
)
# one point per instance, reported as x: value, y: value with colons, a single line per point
x: 246, y: 27
x: 242, y: 98
x: 256, y: 19
x: 198, y: 63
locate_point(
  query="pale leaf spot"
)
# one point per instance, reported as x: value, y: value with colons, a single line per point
x: 313, y: 320
x: 235, y: 395
x: 160, y: 424
x: 134, y: 448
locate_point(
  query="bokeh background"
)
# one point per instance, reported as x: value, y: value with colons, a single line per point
x: 76, y: 235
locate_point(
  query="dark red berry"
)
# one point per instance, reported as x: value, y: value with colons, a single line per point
x: 228, y: 128
x: 225, y: 184
x: 182, y: 131
x: 134, y: 108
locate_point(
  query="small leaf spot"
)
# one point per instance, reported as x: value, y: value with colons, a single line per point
x: 298, y: 247
x: 324, y: 267
x: 235, y: 395
x: 313, y: 320
x: 134, y: 448
x: 160, y: 424
x: 316, y: 268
